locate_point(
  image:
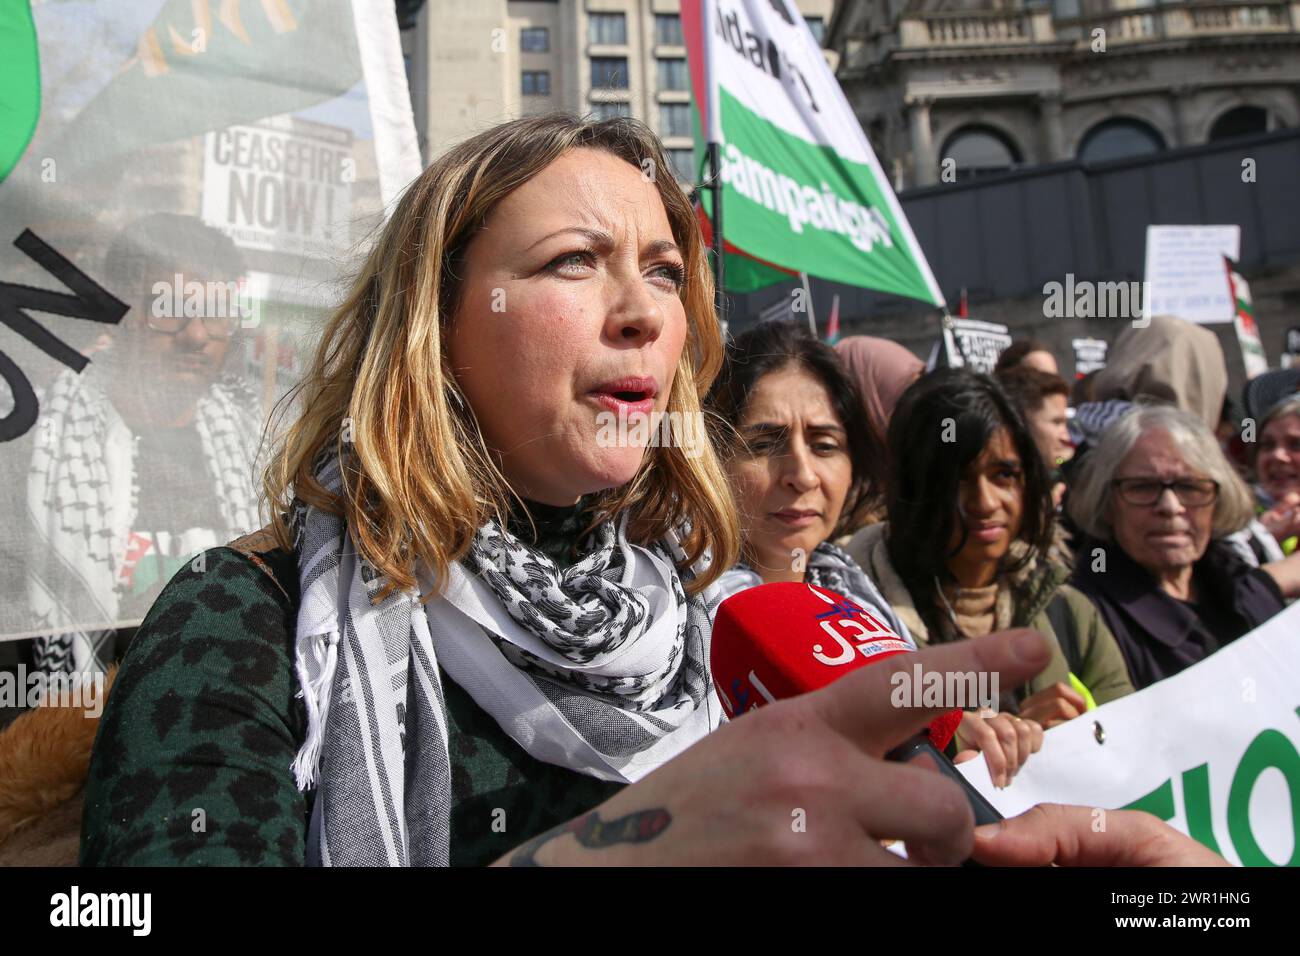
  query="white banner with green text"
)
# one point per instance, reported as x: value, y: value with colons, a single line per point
x: 1213, y: 750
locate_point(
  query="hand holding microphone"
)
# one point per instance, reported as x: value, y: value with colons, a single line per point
x: 805, y: 780
x: 782, y: 640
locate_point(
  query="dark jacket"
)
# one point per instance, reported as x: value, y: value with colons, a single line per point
x: 205, y: 714
x: 1160, y: 635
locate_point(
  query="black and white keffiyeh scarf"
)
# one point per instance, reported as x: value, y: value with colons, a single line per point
x: 599, y: 666
x: 83, y: 491
x: 1090, y: 419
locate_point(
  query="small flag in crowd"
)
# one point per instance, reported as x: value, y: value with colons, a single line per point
x: 833, y: 325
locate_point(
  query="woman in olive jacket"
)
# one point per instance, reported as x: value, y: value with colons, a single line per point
x: 964, y: 551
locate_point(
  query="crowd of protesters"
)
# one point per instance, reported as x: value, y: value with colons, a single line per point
x: 471, y: 604
x: 1140, y: 563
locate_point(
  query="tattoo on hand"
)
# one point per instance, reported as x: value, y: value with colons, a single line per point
x: 594, y: 833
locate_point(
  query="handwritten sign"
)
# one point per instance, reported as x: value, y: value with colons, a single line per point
x: 1185, y: 276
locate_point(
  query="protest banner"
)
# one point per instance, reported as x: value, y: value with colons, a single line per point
x: 1212, y: 750
x: 1089, y: 355
x: 1184, y: 276
x: 184, y: 185
x: 276, y: 184
x: 970, y: 343
x: 801, y: 187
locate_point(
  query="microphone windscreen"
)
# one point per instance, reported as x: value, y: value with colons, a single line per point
x: 776, y: 641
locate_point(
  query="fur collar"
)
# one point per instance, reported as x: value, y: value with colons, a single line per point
x: 44, y: 758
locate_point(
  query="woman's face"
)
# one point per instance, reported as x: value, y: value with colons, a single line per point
x: 569, y: 318
x: 1049, y: 426
x: 1278, y: 461
x: 1168, y: 536
x: 792, y: 473
x: 991, y: 505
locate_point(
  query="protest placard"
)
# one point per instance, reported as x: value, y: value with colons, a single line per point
x: 1212, y: 750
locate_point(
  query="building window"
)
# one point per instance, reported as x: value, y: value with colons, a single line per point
x: 534, y: 40
x: 609, y: 72
x: 1240, y: 121
x: 610, y: 28
x: 668, y: 29
x: 604, y: 111
x: 674, y: 119
x: 537, y: 83
x: 673, y: 74
x: 818, y: 27
x: 979, y: 151
x: 1119, y: 139
x: 683, y: 163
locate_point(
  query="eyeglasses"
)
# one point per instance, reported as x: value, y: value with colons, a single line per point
x: 1145, y: 492
x: 217, y: 326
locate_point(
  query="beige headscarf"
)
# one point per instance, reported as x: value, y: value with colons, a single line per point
x: 883, y: 370
x: 1169, y: 361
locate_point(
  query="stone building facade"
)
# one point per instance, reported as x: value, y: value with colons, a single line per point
x: 952, y: 89
x: 473, y: 65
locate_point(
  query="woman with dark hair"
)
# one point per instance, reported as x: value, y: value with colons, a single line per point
x: 964, y: 552
x: 801, y: 471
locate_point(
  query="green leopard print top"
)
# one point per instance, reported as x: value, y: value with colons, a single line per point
x: 191, y: 762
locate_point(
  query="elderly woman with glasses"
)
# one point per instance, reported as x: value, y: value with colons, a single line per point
x: 1155, y: 501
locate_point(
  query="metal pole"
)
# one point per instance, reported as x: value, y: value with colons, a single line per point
x: 808, y: 302
x: 719, y: 270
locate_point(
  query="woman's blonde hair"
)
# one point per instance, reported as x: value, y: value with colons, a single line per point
x: 418, y: 479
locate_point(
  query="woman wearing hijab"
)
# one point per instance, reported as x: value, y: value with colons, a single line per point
x: 1168, y: 361
x: 882, y: 370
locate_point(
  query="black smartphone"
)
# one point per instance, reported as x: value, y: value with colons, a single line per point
x: 919, y: 750
x: 920, y: 746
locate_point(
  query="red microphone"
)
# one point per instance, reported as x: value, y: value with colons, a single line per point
x: 781, y: 640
